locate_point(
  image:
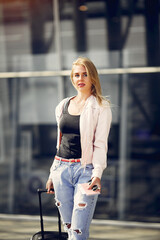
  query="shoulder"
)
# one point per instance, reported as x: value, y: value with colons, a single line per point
x: 61, y: 103
x: 59, y: 107
x: 106, y: 104
x: 92, y: 102
x: 104, y: 109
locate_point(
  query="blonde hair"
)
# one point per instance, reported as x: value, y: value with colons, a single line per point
x: 93, y: 75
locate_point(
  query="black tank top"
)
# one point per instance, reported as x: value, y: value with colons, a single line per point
x: 70, y: 146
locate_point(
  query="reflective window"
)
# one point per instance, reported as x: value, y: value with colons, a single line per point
x: 38, y: 43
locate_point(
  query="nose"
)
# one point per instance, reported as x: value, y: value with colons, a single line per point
x: 80, y: 76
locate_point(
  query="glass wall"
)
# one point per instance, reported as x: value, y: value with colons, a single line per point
x: 38, y: 43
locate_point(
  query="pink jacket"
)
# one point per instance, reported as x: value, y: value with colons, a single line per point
x: 95, y: 122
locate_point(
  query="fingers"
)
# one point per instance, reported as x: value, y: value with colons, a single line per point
x: 50, y: 191
x: 49, y: 186
x: 95, y: 184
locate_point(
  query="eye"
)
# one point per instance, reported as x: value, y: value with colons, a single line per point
x: 85, y: 74
x: 76, y: 75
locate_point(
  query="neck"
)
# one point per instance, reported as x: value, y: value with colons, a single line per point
x: 82, y: 97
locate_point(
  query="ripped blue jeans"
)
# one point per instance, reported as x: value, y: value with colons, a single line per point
x: 76, y: 209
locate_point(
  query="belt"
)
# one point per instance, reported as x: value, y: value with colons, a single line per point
x: 68, y: 160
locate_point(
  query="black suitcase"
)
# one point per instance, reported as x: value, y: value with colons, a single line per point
x: 48, y: 235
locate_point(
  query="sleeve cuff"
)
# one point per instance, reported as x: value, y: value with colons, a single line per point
x: 97, y: 172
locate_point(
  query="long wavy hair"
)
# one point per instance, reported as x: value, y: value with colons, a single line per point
x: 93, y: 75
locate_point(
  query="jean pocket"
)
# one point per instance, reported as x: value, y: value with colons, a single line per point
x: 88, y: 169
x: 89, y: 166
x: 55, y: 165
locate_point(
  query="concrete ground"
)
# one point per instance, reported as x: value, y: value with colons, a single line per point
x: 14, y: 227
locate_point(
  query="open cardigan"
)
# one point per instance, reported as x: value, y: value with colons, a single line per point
x: 95, y: 122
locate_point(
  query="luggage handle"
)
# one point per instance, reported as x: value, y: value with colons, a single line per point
x: 40, y: 191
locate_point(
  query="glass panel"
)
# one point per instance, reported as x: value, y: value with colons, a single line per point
x: 38, y: 37
x: 28, y: 140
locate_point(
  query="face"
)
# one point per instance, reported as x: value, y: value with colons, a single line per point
x: 80, y: 80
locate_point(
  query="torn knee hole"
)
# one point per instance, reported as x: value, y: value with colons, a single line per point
x: 58, y: 204
x: 78, y: 231
x: 82, y: 205
x: 68, y: 225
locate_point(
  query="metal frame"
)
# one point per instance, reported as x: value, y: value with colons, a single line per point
x: 63, y: 73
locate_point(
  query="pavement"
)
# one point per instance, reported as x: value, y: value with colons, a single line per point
x: 20, y: 227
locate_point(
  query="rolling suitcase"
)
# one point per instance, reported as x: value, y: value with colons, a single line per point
x: 48, y: 235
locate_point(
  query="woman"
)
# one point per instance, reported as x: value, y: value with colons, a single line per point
x: 83, y: 127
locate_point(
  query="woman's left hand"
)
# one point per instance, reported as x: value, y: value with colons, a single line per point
x: 95, y: 181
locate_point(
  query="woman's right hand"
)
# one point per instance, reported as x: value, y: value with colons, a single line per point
x: 49, y: 186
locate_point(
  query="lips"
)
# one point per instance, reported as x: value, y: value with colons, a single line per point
x: 81, y: 85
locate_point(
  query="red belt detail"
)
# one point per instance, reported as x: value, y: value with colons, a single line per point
x: 68, y: 160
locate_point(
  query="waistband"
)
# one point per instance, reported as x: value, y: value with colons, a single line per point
x: 77, y: 160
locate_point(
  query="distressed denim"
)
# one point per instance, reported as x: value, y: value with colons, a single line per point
x: 76, y: 209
